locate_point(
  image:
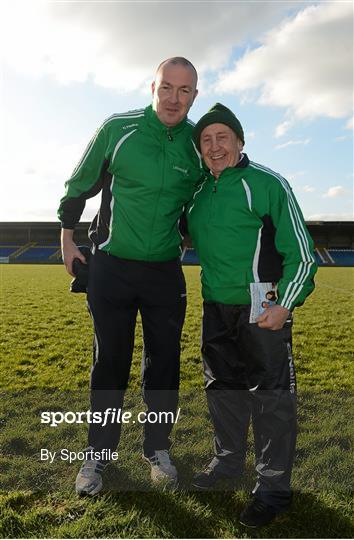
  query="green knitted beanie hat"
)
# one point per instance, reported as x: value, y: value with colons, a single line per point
x: 218, y: 114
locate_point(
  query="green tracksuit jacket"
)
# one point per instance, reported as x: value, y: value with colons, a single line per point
x: 247, y: 227
x: 147, y: 173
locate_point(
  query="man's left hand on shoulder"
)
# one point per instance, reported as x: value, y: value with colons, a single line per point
x: 273, y: 318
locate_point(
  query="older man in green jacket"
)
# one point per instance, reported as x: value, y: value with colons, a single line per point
x: 257, y: 266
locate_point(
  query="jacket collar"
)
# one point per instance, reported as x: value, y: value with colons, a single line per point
x: 242, y: 164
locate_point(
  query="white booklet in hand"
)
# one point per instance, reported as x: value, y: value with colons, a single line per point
x: 263, y: 295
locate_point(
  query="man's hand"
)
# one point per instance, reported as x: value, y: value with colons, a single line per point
x: 273, y: 318
x: 69, y: 250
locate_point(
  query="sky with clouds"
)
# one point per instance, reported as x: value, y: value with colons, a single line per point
x: 284, y: 68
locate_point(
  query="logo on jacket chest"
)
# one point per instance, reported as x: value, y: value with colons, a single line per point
x: 130, y: 126
x: 180, y: 169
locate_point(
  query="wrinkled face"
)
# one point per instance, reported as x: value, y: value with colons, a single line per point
x: 220, y: 147
x: 174, y: 91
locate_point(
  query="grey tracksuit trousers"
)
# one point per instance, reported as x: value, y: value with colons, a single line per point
x: 249, y: 373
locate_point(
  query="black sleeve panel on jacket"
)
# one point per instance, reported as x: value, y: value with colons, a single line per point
x: 99, y: 228
x: 270, y: 265
x: 73, y: 207
x: 183, y: 223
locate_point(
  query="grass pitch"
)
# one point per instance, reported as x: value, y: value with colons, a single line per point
x: 46, y: 341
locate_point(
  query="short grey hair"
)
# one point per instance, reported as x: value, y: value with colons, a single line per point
x: 181, y: 61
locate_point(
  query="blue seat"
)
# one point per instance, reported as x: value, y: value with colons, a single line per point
x: 6, y: 251
x: 37, y: 254
x: 342, y: 257
x: 190, y: 257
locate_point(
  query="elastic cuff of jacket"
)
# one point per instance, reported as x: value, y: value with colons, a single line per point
x: 289, y: 309
x: 66, y: 225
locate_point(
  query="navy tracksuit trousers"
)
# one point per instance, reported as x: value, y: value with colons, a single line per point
x: 117, y: 290
x: 249, y: 373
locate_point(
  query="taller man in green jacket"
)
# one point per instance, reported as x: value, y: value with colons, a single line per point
x: 257, y: 266
x: 145, y: 164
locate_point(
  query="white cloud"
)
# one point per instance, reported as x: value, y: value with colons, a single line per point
x: 330, y: 217
x: 350, y: 123
x: 341, y: 138
x: 294, y: 175
x: 308, y: 189
x: 29, y: 170
x: 292, y: 143
x: 250, y: 135
x: 282, y: 128
x: 335, y: 191
x: 119, y: 44
x: 41, y: 170
x: 305, y: 64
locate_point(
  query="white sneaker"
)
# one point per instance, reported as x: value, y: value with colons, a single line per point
x: 89, y: 478
x: 162, y: 469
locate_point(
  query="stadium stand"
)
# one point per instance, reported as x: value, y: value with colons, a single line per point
x: 323, y: 256
x: 342, y: 257
x: 6, y: 251
x: 38, y: 242
x: 190, y: 257
x: 37, y: 254
x: 318, y: 257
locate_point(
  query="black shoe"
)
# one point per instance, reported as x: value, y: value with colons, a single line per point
x: 210, y: 477
x: 257, y: 514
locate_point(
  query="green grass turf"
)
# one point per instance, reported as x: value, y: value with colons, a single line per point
x: 45, y: 360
